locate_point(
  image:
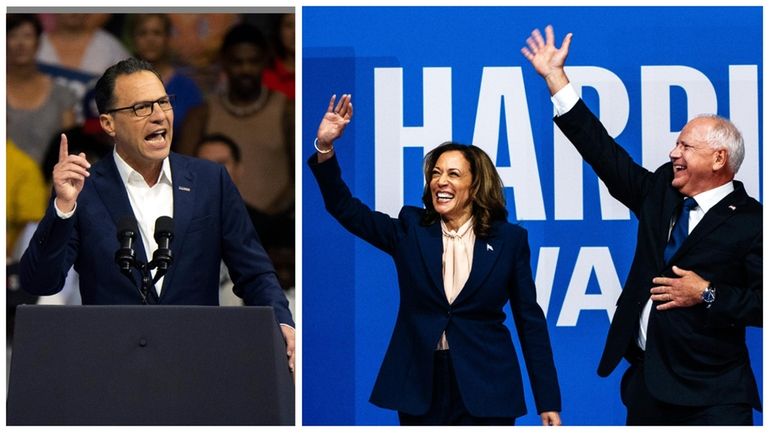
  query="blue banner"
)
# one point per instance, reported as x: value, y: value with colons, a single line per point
x: 423, y: 75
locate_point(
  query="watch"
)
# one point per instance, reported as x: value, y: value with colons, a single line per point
x: 709, y: 295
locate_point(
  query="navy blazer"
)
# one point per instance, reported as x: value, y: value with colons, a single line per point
x: 210, y: 224
x: 483, y: 355
x: 695, y: 356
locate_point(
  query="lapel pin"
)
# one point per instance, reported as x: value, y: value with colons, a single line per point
x: 489, y: 248
x: 731, y: 207
x: 184, y: 188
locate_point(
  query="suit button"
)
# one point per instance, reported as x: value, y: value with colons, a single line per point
x: 142, y: 342
x: 449, y: 313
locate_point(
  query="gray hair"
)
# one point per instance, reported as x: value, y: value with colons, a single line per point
x: 724, y: 135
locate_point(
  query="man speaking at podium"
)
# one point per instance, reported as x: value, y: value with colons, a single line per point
x: 142, y: 179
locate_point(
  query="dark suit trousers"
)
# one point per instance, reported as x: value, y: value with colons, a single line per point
x: 447, y: 406
x: 644, y: 409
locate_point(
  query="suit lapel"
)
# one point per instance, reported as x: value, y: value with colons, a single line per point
x: 431, y: 250
x: 183, y: 180
x: 717, y: 215
x: 485, y: 254
x: 671, y: 200
x: 113, y: 194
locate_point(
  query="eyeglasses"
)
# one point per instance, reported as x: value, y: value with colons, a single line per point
x: 144, y: 109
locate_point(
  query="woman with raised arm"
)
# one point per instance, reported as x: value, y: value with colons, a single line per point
x: 451, y: 360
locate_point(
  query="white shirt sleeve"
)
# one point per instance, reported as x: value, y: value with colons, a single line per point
x: 565, y: 99
x: 64, y: 215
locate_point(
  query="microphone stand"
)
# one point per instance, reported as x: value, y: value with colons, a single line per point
x: 125, y: 257
x: 148, y: 281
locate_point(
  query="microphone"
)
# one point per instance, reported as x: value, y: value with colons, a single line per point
x: 125, y: 257
x: 164, y: 234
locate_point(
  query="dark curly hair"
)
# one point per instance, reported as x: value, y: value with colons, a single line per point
x: 488, y: 201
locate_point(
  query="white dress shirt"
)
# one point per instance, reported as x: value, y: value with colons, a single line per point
x: 564, y: 99
x: 148, y: 203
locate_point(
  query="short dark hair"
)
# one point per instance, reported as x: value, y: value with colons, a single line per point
x: 235, y: 151
x: 244, y: 33
x: 105, y: 87
x: 15, y: 20
x: 135, y: 20
x: 488, y: 200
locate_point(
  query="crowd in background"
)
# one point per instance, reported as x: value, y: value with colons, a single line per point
x: 232, y: 77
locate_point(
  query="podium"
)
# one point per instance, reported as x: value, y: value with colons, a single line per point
x: 148, y: 365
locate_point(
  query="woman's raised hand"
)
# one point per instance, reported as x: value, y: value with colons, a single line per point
x: 334, y: 121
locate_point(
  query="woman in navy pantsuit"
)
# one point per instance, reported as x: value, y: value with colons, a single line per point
x: 451, y: 359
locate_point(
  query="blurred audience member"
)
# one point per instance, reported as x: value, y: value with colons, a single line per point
x: 222, y: 149
x: 259, y: 120
x: 76, y: 51
x: 150, y: 35
x: 25, y: 203
x: 25, y: 194
x: 77, y: 42
x: 37, y: 106
x: 279, y: 76
x: 197, y: 37
x: 275, y: 233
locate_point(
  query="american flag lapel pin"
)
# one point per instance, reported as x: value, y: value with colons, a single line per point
x: 184, y: 188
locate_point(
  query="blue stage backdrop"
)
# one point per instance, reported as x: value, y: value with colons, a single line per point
x: 421, y: 76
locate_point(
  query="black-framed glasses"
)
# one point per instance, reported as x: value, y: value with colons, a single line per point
x: 145, y: 108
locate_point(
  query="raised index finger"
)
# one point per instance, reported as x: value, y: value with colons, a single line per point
x: 63, y: 148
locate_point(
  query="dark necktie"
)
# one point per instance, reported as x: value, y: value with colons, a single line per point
x: 680, y: 229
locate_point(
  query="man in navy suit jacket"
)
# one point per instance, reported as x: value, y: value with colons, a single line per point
x: 682, y: 316
x: 144, y: 180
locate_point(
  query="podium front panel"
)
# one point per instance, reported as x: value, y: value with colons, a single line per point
x: 149, y: 365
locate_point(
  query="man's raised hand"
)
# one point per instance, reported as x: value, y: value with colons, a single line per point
x: 548, y: 60
x: 69, y: 176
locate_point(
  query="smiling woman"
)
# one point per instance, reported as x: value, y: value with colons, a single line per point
x: 451, y: 359
x: 461, y: 181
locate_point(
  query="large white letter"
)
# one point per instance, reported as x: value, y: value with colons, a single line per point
x: 391, y: 136
x: 657, y: 137
x: 544, y: 275
x: 744, y: 113
x: 523, y: 176
x: 568, y: 164
x: 590, y: 259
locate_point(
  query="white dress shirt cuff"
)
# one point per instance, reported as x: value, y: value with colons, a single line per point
x: 64, y: 215
x: 565, y: 99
